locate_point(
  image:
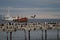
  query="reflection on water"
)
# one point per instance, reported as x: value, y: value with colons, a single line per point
x: 34, y: 35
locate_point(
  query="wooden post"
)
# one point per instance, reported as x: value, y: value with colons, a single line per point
x: 25, y: 34
x: 10, y: 35
x: 7, y: 35
x: 45, y: 34
x: 57, y: 34
x: 28, y: 34
x: 42, y: 34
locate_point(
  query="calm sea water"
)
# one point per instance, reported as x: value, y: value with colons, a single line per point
x: 44, y: 20
x: 36, y: 20
x: 35, y: 35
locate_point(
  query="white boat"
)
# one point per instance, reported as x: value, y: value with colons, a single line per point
x: 8, y: 17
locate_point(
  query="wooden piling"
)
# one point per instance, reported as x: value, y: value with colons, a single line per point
x: 25, y: 34
x: 10, y: 35
x: 28, y: 34
x: 42, y: 34
x: 7, y: 35
x: 57, y: 34
x: 45, y: 34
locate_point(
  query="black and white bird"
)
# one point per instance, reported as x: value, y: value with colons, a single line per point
x: 33, y: 16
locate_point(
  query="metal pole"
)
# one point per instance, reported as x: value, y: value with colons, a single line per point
x: 42, y: 34
x: 10, y: 35
x: 45, y: 34
x: 7, y: 35
x: 57, y: 34
x: 28, y: 34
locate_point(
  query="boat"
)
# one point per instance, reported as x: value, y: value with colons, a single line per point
x: 16, y: 19
x: 24, y: 19
x: 8, y: 18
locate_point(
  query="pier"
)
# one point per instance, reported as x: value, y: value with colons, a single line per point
x: 13, y: 27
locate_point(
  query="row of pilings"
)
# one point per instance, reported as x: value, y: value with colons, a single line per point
x: 27, y: 32
x: 27, y: 35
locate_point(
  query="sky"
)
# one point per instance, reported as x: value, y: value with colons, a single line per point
x: 41, y: 8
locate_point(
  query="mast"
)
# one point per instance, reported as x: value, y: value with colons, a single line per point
x: 7, y: 17
x: 8, y: 12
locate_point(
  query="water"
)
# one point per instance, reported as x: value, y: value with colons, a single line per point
x: 36, y: 20
x: 44, y: 20
x: 34, y: 35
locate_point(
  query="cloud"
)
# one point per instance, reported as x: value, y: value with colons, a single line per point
x: 40, y: 12
x: 42, y: 8
x: 30, y: 3
x: 31, y: 9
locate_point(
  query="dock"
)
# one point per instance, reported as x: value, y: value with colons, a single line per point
x: 12, y: 27
x: 29, y: 26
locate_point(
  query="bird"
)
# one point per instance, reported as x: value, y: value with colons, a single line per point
x: 33, y: 16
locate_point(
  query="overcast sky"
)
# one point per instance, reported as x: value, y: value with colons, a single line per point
x: 42, y: 8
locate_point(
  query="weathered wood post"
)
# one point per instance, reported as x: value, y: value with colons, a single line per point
x: 25, y: 34
x: 45, y: 30
x: 28, y: 31
x: 10, y: 35
x: 7, y: 35
x: 57, y: 34
x: 28, y: 34
x: 45, y: 34
x: 42, y: 34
